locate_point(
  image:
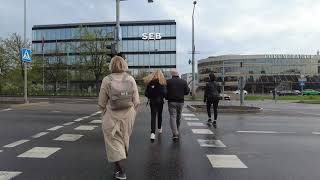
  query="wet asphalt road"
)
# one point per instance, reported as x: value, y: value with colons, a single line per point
x: 271, y: 146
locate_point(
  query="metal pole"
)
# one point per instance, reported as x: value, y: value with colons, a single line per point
x: 118, y: 25
x: 223, y: 83
x: 43, y: 70
x: 25, y: 63
x: 193, y: 52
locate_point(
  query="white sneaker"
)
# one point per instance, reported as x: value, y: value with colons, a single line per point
x: 153, y: 136
x: 160, y: 130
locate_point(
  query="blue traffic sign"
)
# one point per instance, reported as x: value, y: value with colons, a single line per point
x: 26, y: 55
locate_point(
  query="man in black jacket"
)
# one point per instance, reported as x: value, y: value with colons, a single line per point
x: 176, y: 90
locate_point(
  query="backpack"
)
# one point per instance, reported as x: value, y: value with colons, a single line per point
x: 212, y: 90
x: 121, y: 93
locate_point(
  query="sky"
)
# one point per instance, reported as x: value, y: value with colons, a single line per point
x: 221, y: 26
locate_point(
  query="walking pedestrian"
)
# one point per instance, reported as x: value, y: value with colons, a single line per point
x: 155, y: 92
x: 118, y: 101
x: 176, y: 88
x: 212, y: 97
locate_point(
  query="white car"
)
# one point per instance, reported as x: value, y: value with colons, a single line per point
x: 238, y: 92
x: 225, y: 97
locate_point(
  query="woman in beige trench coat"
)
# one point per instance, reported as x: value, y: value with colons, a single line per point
x: 117, y: 125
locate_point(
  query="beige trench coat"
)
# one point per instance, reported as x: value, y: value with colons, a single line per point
x: 117, y: 125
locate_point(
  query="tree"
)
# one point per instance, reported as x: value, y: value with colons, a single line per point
x: 94, y: 53
x: 56, y: 69
x: 12, y: 48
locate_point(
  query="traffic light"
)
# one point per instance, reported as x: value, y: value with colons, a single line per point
x: 112, y: 48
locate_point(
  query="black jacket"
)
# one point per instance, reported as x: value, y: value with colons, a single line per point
x: 177, y: 88
x: 212, y: 91
x: 155, y: 92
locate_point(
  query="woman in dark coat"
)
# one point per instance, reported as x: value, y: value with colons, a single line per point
x: 155, y: 92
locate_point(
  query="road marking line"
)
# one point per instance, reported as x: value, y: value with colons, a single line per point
x: 202, y: 131
x: 195, y: 124
x: 69, y: 123
x: 7, y: 175
x: 96, y: 122
x: 55, y: 128
x: 96, y: 113
x: 39, y: 152
x: 1, y: 151
x: 56, y: 111
x: 211, y: 143
x: 191, y: 119
x: 86, y: 128
x: 266, y: 132
x: 78, y: 120
x: 316, y: 133
x: 187, y: 114
x: 17, y: 143
x: 86, y: 117
x: 40, y: 134
x: 226, y: 161
x: 4, y: 110
x: 68, y: 137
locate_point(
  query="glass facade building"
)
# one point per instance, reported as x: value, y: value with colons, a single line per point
x: 262, y: 72
x: 142, y: 54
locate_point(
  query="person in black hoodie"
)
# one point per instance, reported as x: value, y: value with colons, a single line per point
x: 212, y: 97
x: 155, y: 92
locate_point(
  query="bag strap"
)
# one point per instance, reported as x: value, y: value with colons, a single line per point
x: 110, y: 77
x: 125, y: 76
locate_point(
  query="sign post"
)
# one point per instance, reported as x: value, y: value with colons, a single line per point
x: 25, y: 58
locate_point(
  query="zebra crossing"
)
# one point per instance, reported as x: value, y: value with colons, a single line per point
x: 46, y: 152
x: 216, y: 160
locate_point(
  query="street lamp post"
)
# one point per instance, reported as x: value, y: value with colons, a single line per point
x: 25, y: 63
x: 193, y: 52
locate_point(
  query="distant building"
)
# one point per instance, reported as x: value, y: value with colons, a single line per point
x: 188, y: 77
x: 147, y: 45
x: 262, y: 72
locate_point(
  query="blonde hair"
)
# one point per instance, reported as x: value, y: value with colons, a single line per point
x: 156, y: 75
x: 118, y: 65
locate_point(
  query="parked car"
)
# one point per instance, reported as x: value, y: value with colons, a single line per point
x: 289, y: 93
x: 225, y: 97
x: 238, y: 92
x: 310, y: 92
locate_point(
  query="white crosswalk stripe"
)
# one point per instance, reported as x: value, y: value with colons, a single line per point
x: 39, y: 152
x: 187, y: 114
x: 1, y: 151
x: 5, y: 110
x: 69, y: 123
x: 202, y: 131
x: 17, y: 143
x: 40, y: 134
x: 195, y: 124
x: 316, y: 133
x: 211, y: 143
x: 7, y: 175
x: 55, y: 128
x: 96, y: 122
x: 68, y: 137
x: 86, y: 117
x: 191, y: 119
x: 86, y: 128
x: 78, y: 120
x: 226, y: 161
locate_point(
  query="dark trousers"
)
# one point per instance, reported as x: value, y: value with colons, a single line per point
x: 156, y: 110
x: 215, y: 104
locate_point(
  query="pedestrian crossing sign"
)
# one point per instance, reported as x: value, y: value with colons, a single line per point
x: 26, y: 55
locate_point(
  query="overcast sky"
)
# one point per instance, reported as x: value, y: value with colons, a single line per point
x: 222, y: 26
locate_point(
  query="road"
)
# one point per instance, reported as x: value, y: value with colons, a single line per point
x: 63, y: 141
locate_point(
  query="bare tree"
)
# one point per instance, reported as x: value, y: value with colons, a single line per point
x: 94, y: 53
x: 12, y: 48
x: 56, y: 69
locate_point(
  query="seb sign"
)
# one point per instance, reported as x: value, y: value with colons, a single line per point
x: 151, y: 36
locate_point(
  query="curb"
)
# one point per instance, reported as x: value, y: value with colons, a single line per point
x: 29, y: 105
x: 221, y: 110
